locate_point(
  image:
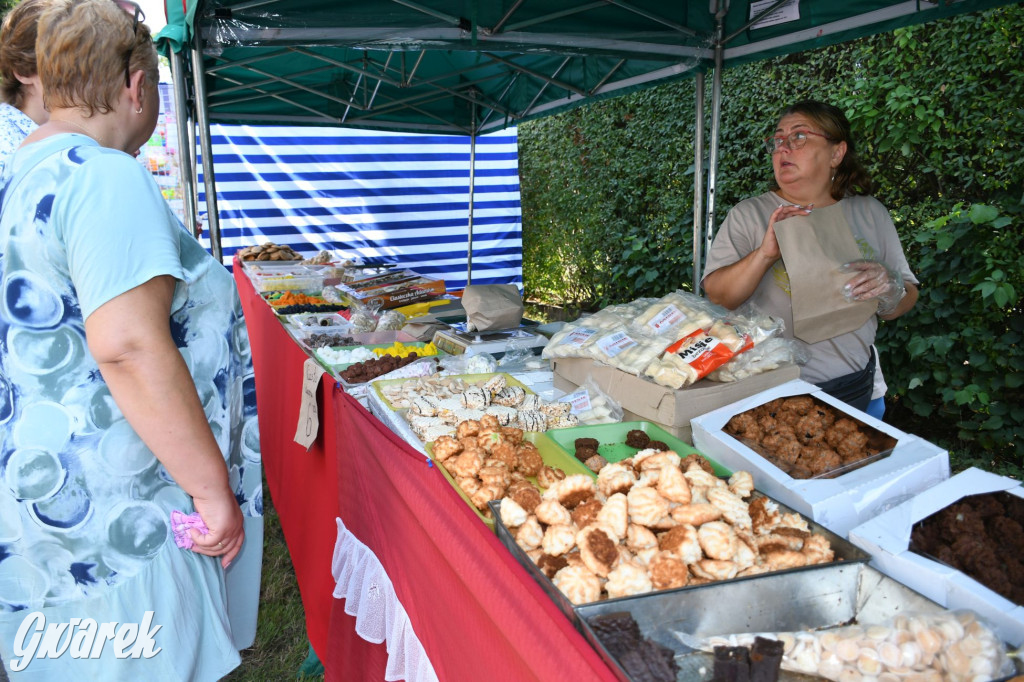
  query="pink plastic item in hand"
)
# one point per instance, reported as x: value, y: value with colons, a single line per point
x: 181, y: 523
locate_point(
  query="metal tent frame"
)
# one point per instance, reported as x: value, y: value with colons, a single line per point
x: 470, y: 67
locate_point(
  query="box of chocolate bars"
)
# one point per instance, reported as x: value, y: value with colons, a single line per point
x: 959, y: 543
x: 833, y: 463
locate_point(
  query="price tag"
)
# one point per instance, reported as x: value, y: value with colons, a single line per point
x: 579, y: 336
x: 309, y: 415
x: 579, y: 399
x: 669, y: 317
x: 613, y: 344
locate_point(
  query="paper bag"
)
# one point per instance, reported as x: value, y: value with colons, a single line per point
x: 813, y: 247
x: 492, y: 306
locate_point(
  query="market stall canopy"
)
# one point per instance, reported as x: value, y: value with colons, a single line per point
x: 474, y: 66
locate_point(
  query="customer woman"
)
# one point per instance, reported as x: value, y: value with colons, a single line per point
x: 21, y: 97
x: 815, y: 163
x: 125, y: 387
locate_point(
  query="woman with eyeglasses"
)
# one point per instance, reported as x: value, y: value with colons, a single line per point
x: 21, y: 96
x: 815, y: 162
x: 129, y: 451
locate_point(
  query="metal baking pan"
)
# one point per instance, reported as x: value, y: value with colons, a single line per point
x: 845, y: 553
x: 834, y: 595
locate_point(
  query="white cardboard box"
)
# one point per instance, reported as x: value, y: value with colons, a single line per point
x: 839, y: 503
x: 887, y: 538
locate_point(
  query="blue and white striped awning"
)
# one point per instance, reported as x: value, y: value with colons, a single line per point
x: 385, y: 197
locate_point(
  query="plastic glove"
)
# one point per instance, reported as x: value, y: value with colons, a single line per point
x: 873, y: 279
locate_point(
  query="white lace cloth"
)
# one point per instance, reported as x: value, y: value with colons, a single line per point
x: 370, y: 597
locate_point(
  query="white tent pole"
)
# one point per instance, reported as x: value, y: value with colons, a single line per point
x: 716, y: 115
x: 212, y: 214
x: 698, y: 183
x: 185, y: 141
x: 472, y: 183
x: 472, y: 187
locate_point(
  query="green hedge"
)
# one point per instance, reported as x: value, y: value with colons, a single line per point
x: 938, y: 110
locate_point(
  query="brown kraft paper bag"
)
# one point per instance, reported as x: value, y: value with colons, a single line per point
x: 813, y: 247
x: 491, y: 307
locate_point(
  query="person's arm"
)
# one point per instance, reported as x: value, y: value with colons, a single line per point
x: 731, y: 285
x: 905, y: 304
x: 130, y: 338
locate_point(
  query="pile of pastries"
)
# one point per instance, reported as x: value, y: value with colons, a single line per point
x: 436, y: 405
x: 946, y: 646
x: 802, y: 436
x: 651, y: 522
x: 489, y: 461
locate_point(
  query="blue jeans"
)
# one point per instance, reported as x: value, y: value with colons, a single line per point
x: 876, y: 408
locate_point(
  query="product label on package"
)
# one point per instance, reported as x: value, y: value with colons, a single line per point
x: 669, y: 317
x: 578, y: 337
x: 579, y: 399
x: 615, y: 343
x: 700, y: 345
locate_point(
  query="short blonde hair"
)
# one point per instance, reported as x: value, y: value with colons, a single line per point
x: 82, y: 47
x: 18, y: 48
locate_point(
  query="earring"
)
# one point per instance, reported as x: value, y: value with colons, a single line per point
x: 139, y: 110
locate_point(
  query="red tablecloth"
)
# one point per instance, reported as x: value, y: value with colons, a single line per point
x: 477, y: 613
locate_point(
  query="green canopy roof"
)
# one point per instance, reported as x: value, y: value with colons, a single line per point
x: 473, y: 66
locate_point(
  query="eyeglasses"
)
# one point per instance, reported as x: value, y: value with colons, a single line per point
x: 137, y: 15
x: 795, y: 140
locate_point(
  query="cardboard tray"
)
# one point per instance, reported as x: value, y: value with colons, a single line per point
x: 671, y: 409
x: 470, y: 379
x: 887, y: 538
x: 882, y: 443
x: 839, y: 503
x: 845, y: 553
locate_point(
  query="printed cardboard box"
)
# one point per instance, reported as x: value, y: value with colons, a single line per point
x: 887, y: 538
x: 671, y: 409
x: 839, y: 503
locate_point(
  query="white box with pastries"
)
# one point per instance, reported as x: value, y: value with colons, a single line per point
x: 887, y: 538
x: 839, y: 503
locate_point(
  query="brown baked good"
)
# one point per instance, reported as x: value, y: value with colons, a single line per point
x: 637, y: 439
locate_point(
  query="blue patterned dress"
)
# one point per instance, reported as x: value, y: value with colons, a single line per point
x: 15, y: 126
x: 84, y: 504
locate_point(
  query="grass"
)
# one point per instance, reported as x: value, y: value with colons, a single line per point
x: 281, y: 645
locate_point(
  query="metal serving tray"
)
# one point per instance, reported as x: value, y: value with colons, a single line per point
x: 832, y: 595
x: 846, y: 553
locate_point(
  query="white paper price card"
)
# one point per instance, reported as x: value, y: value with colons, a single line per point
x: 579, y: 399
x: 615, y: 343
x: 669, y: 317
x: 579, y: 336
x: 309, y: 415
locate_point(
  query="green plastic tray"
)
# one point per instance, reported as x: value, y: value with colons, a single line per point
x: 612, y: 441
